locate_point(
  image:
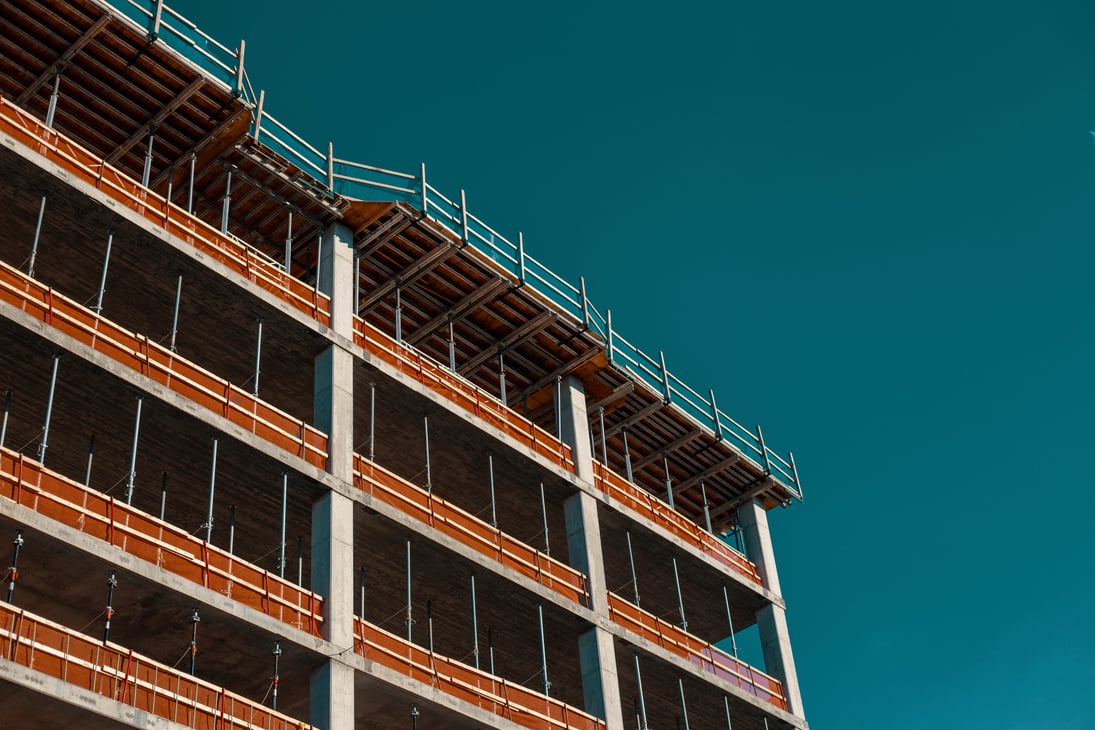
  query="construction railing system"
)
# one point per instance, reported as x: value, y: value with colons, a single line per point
x: 120, y: 674
x: 28, y: 483
x: 460, y: 391
x: 643, y: 503
x: 706, y: 656
x: 225, y: 249
x: 504, y: 698
x: 469, y: 530
x: 162, y: 366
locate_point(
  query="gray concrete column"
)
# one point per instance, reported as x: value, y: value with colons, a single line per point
x: 600, y: 682
x: 332, y: 685
x: 772, y: 619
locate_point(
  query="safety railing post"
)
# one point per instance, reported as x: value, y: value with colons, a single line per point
x: 239, y: 68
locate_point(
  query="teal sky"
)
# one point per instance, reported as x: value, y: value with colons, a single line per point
x: 868, y: 226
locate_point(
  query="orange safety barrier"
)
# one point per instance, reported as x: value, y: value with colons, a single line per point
x: 709, y: 658
x: 120, y: 674
x: 30, y: 484
x: 456, y: 389
x: 379, y: 483
x: 494, y: 694
x: 615, y: 486
x: 163, y: 366
x: 232, y: 253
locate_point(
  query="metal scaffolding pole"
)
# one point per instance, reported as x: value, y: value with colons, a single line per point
x: 543, y: 650
x: 474, y: 624
x: 684, y: 707
x: 13, y: 571
x: 147, y: 173
x: 627, y: 458
x: 502, y: 378
x: 133, y: 454
x: 163, y: 495
x: 398, y: 315
x: 102, y: 278
x: 372, y: 421
x: 212, y: 488
x: 175, y: 314
x: 642, y: 700
x: 706, y: 507
x: 231, y: 529
x: 37, y: 237
x: 90, y: 458
x: 604, y: 444
x: 195, y: 619
x: 258, y: 360
x: 631, y: 564
x: 726, y: 706
x: 49, y: 410
x: 284, y: 508
x: 668, y: 482
x: 493, y: 509
x: 729, y: 621
x: 111, y: 583
x: 226, y: 204
x: 426, y: 442
x: 289, y: 245
x: 300, y: 560
x: 452, y: 348
x: 680, y: 602
x: 51, y: 110
x: 410, y: 615
x: 490, y: 649
x: 190, y: 189
x: 4, y: 420
x: 274, y: 684
x: 543, y: 514
x: 361, y: 588
x: 429, y: 624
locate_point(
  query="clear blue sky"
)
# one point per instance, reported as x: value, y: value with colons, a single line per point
x: 867, y: 225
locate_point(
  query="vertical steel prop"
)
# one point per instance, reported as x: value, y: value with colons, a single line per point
x: 490, y: 648
x: 627, y: 458
x: 474, y: 625
x: 51, y: 110
x: 300, y: 561
x: 49, y: 410
x: 398, y: 315
x: 680, y: 602
x: 102, y: 277
x: 212, y: 489
x: 726, y: 706
x: 13, y: 571
x: 37, y: 237
x: 111, y: 584
x: 668, y: 482
x: 543, y: 650
x: 642, y: 700
x: 631, y: 564
x: 493, y: 504
x: 284, y: 508
x: 429, y: 624
x: 706, y: 507
x: 452, y: 349
x: 289, y: 245
x: 132, y: 476
x: 361, y: 587
x: 543, y: 515
x: 226, y: 203
x: 729, y: 621
x: 147, y: 173
x: 410, y: 616
x: 231, y: 529
x: 195, y: 619
x: 4, y: 420
x: 258, y: 359
x: 190, y: 189
x: 90, y: 458
x: 604, y: 443
x: 274, y: 684
x: 175, y: 314
x: 372, y: 421
x: 684, y: 707
x: 163, y: 495
x: 502, y: 378
x: 426, y: 443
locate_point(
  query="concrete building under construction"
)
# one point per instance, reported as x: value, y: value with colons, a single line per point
x: 293, y: 441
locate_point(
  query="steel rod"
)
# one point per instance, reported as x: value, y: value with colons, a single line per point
x: 726, y: 706
x: 13, y: 571
x: 175, y: 314
x: 212, y: 489
x: 190, y: 189
x: 642, y: 700
x: 357, y: 286
x: 372, y: 421
x: 226, y: 203
x: 7, y: 414
x: 398, y: 316
x: 274, y: 687
x: 410, y: 615
x: 300, y: 560
x: 429, y: 624
x: 543, y: 515
x: 631, y: 564
x: 706, y: 507
x: 558, y: 407
x: 490, y: 648
x: 51, y: 111
x: 426, y: 441
x: 604, y: 443
x: 147, y: 173
x: 361, y: 588
x: 493, y: 503
x: 49, y: 409
x: 111, y: 583
x: 289, y: 245
x: 543, y: 650
x: 452, y: 349
x: 258, y: 360
x: 684, y: 707
x: 163, y: 495
x: 195, y: 619
x: 90, y: 458
x: 231, y: 529
x: 284, y: 509
x: 319, y: 259
x: 474, y: 625
x: 502, y: 378
x: 729, y: 622
x: 37, y: 237
x: 102, y: 278
x: 668, y: 483
x: 627, y: 458
x: 680, y: 602
x: 132, y: 476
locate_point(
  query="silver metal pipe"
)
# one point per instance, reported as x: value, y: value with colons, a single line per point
x: 111, y: 584
x: 372, y: 421
x: 684, y: 707
x: 284, y: 508
x: 175, y: 314
x: 212, y: 488
x: 231, y: 529
x: 521, y: 258
x: 51, y: 111
x: 604, y: 443
x: 7, y: 414
x: 729, y: 622
x: 464, y: 217
x: 102, y: 278
x: 668, y: 483
x: 680, y: 602
x: 585, y: 302
x: 37, y: 237
x: 706, y: 507
x: 289, y: 245
x: 49, y: 410
x: 764, y: 451
x: 426, y: 441
x: 715, y: 415
x: 277, y: 656
x: 90, y: 457
x: 300, y: 561
x: 226, y: 204
x: 410, y: 615
x: 133, y: 454
x: 429, y: 624
x: 543, y: 650
x: 490, y: 648
x: 559, y: 407
x: 543, y: 514
x: 357, y: 286
x: 608, y: 325
x: 258, y: 360
x: 452, y: 349
x: 631, y: 564
x: 147, y: 174
x: 493, y: 504
x: 726, y: 706
x: 13, y: 572
x: 642, y: 700
x: 163, y: 496
x: 474, y: 625
x: 502, y: 378
x: 627, y: 458
x: 398, y: 316
x: 361, y: 588
x: 190, y: 189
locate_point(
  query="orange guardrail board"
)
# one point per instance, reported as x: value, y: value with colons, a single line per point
x: 615, y: 486
x: 138, y: 353
x: 237, y: 256
x: 28, y: 483
x: 117, y: 673
x: 456, y: 389
x: 504, y: 698
x: 449, y: 519
x: 709, y: 658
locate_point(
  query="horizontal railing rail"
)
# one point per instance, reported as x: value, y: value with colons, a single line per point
x: 661, y: 514
x: 502, y: 697
x: 28, y: 483
x: 132, y: 679
x: 226, y: 250
x: 463, y: 393
x: 709, y: 658
x: 162, y: 366
x: 469, y: 530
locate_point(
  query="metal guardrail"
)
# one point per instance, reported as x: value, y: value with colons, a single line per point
x: 469, y: 530
x: 354, y: 180
x: 120, y: 674
x: 28, y: 483
x: 486, y: 691
x: 709, y: 658
x: 159, y: 364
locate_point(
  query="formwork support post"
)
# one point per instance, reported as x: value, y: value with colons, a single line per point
x: 212, y: 487
x: 631, y: 564
x: 684, y: 707
x: 520, y: 258
x: 642, y: 699
x: 289, y: 244
x: 163, y: 495
x: 706, y: 508
x: 543, y: 650
x: 398, y: 315
x: 490, y: 484
x: 452, y: 348
x: 132, y: 476
x: 175, y: 314
x: 258, y: 359
x: 502, y: 377
x: 51, y: 111
x: 680, y: 600
x: 102, y: 277
x: 372, y: 421
x: 13, y: 571
x: 284, y: 509
x: 226, y: 203
x: 409, y: 619
x: 231, y: 529
x: 44, y: 444
x: 90, y: 458
x: 729, y: 621
x: 37, y: 236
x: 627, y: 457
x: 147, y: 172
x: 4, y: 419
x: 604, y: 442
x: 668, y: 483
x: 715, y: 416
x: 426, y: 449
x: 111, y: 583
x: 543, y: 516
x: 474, y: 624
x: 190, y: 187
